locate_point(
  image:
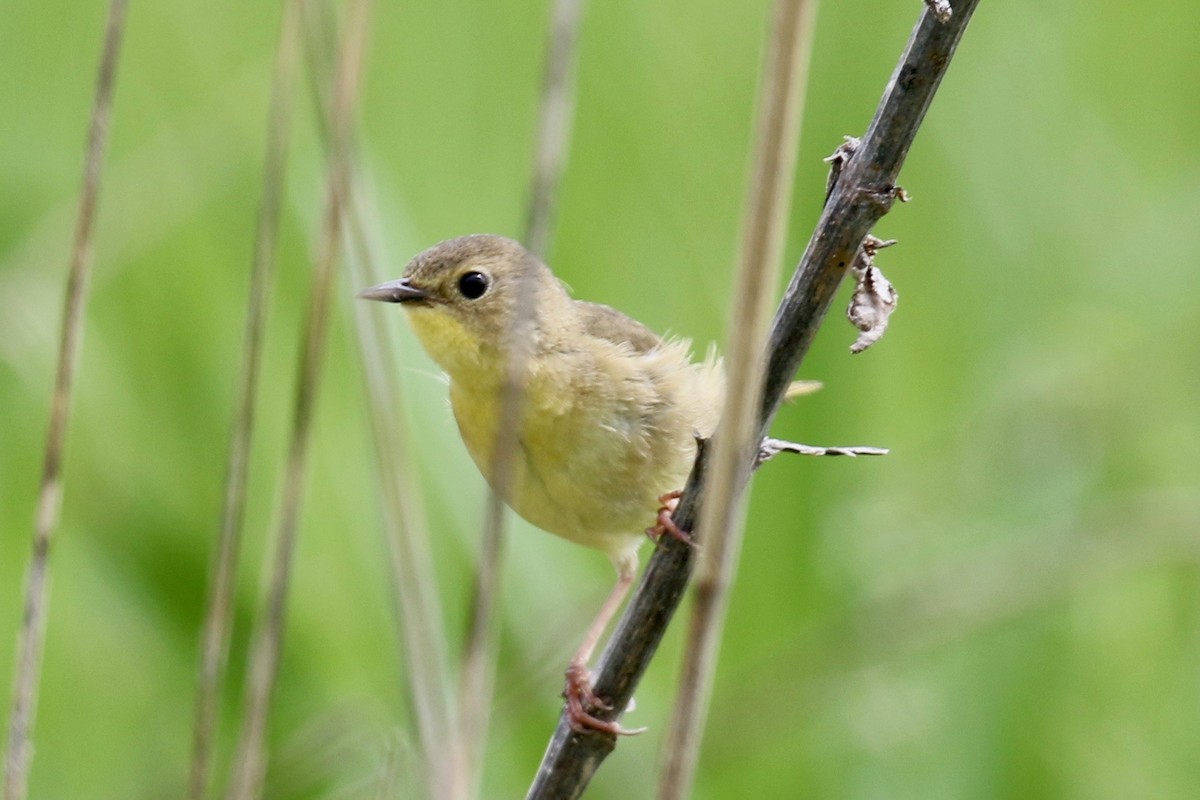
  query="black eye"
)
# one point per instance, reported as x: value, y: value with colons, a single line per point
x: 472, y: 285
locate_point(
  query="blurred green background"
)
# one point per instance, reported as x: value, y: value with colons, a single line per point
x: 1006, y: 606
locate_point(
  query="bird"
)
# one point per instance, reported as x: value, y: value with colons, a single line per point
x: 610, y: 411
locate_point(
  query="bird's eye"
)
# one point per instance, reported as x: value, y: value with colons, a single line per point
x: 472, y: 285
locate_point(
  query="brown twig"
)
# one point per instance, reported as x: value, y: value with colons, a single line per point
x: 214, y: 648
x: 785, y: 74
x: 49, y: 507
x: 862, y: 194
x: 251, y: 759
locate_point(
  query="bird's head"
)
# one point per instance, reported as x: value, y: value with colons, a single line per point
x: 462, y: 298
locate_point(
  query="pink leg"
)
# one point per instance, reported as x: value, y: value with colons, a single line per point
x: 578, y: 692
x: 665, y: 525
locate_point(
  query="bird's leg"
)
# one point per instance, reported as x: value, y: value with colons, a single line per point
x: 665, y: 524
x: 578, y: 692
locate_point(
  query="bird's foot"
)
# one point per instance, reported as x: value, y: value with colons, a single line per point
x: 581, y: 700
x: 665, y: 524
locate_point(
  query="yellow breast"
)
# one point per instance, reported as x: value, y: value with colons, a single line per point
x: 604, y: 433
x: 605, y: 428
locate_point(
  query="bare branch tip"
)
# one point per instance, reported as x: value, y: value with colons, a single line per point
x: 773, y: 447
x: 838, y: 159
x: 873, y: 244
x: 844, y: 151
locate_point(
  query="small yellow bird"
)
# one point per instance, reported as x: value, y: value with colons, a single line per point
x: 610, y: 410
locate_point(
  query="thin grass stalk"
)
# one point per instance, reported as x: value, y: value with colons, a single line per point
x: 251, y: 757
x: 556, y: 113
x: 550, y: 151
x: 218, y: 620
x: 764, y: 230
x: 417, y: 609
x: 31, y: 638
x: 863, y: 193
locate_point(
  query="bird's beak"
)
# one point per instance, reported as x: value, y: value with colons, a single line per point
x: 397, y: 291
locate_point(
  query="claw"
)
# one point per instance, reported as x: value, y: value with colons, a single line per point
x: 665, y: 524
x: 580, y: 698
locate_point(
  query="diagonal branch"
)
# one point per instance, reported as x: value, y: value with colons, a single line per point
x: 862, y: 194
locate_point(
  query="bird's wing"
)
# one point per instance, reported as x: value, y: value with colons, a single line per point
x: 613, y: 326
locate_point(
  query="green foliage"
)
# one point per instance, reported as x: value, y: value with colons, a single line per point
x: 1008, y: 605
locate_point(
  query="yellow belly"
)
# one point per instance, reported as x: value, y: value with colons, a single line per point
x: 592, y: 459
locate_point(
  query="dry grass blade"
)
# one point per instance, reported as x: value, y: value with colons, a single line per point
x: 214, y: 649
x: 554, y: 127
x: 861, y: 196
x: 785, y: 75
x: 251, y: 759
x: 49, y: 506
x: 554, y: 123
x: 418, y: 613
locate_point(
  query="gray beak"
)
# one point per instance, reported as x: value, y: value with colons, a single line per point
x: 397, y: 291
